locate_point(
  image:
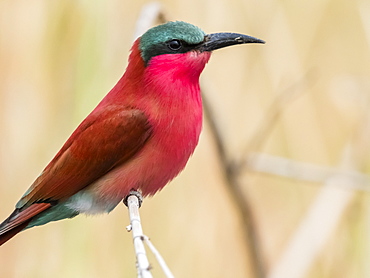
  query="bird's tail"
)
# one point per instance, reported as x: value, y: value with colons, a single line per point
x: 19, y: 220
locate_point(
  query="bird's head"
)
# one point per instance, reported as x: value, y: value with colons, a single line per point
x: 180, y: 37
x: 184, y: 48
x: 179, y: 49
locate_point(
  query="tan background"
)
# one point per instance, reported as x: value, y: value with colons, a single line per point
x: 59, y: 58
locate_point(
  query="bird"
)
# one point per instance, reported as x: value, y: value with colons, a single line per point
x: 139, y: 137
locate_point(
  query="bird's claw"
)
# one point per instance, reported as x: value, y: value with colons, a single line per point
x: 135, y: 193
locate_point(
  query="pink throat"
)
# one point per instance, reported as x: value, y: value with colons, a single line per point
x: 185, y: 67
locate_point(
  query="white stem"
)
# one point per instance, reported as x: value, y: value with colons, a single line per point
x: 303, y: 171
x: 143, y: 266
x: 159, y: 258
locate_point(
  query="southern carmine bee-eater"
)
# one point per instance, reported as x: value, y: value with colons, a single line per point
x: 139, y: 137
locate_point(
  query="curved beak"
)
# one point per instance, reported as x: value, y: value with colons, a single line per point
x: 219, y: 40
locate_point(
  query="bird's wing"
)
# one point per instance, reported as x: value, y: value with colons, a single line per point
x: 102, y: 141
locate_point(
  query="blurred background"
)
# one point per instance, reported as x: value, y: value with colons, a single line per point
x: 278, y: 186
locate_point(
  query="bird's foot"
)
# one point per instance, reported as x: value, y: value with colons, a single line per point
x: 136, y: 194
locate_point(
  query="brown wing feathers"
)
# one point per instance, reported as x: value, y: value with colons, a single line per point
x: 102, y: 141
x: 112, y: 139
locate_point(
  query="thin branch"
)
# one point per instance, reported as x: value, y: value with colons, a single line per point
x: 133, y: 202
x: 234, y: 188
x: 159, y: 258
x: 143, y: 266
x: 303, y: 171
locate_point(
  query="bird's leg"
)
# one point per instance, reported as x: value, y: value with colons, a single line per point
x: 134, y: 193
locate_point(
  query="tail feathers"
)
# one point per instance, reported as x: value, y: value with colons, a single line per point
x: 19, y: 220
x: 8, y: 235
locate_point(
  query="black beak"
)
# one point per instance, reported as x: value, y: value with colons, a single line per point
x: 220, y: 40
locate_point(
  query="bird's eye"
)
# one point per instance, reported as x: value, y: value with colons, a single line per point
x: 174, y: 45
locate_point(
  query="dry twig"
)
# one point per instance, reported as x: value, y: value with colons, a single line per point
x: 142, y: 263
